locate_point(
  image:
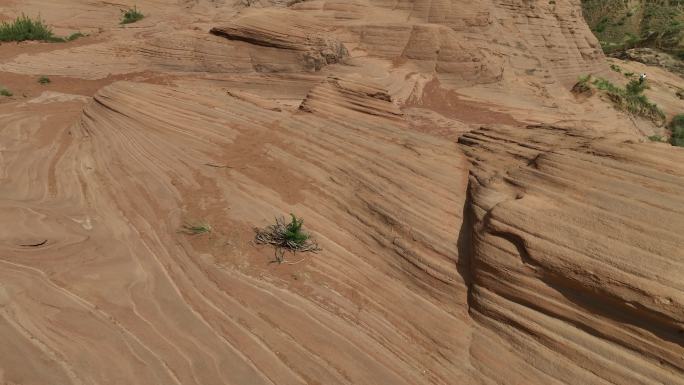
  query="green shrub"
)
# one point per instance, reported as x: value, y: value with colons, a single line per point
x: 655, y: 138
x: 5, y: 92
x: 284, y: 236
x: 605, y: 85
x: 44, y: 80
x: 74, y: 36
x: 131, y: 15
x: 24, y: 28
x: 294, y: 233
x: 631, y: 99
x: 635, y: 87
x: 616, y: 68
x: 601, y: 26
x: 677, y: 128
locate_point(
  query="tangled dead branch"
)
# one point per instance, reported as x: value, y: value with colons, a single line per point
x: 284, y: 236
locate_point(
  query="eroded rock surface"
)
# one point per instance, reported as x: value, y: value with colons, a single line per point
x: 479, y: 224
x: 575, y: 253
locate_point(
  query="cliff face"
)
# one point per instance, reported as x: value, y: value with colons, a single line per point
x: 461, y: 244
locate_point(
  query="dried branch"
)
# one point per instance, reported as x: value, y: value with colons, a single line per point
x: 284, y: 236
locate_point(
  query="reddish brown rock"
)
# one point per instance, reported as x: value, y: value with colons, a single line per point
x: 479, y: 223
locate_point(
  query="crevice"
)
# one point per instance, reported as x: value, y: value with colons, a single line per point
x: 464, y: 244
x: 250, y: 39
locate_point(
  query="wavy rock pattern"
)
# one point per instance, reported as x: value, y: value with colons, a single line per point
x: 306, y: 36
x: 575, y: 253
x: 523, y: 254
x: 168, y: 314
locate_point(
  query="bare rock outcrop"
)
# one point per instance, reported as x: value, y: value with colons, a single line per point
x: 315, y: 47
x: 576, y: 254
x: 524, y: 254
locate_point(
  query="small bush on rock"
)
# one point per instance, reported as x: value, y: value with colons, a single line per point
x: 24, y: 28
x: 677, y: 128
x: 631, y: 99
x: 286, y: 236
x: 131, y: 15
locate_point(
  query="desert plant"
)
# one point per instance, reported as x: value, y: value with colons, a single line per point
x: 294, y: 233
x: 631, y: 99
x: 601, y: 26
x: 24, y: 28
x: 635, y: 87
x: 44, y: 80
x: 194, y: 229
x: 286, y: 236
x: 131, y: 15
x: 5, y: 92
x: 655, y: 138
x: 582, y: 85
x: 74, y: 36
x: 605, y: 85
x: 616, y: 68
x: 677, y: 129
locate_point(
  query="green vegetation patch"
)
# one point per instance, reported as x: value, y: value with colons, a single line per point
x: 24, y: 28
x: 5, y: 92
x: 620, y: 25
x: 677, y: 128
x: 630, y: 99
x: 286, y: 236
x: 582, y: 86
x: 131, y: 15
x: 74, y: 36
x: 194, y: 229
x: 44, y: 80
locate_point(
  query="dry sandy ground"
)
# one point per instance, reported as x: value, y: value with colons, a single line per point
x: 479, y: 224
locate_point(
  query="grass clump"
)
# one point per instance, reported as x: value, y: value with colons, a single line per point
x: 199, y: 228
x: 5, y: 92
x: 655, y: 138
x: 286, y: 236
x: 631, y: 99
x: 24, y: 28
x: 44, y: 80
x: 74, y: 36
x: 677, y: 129
x: 131, y: 15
